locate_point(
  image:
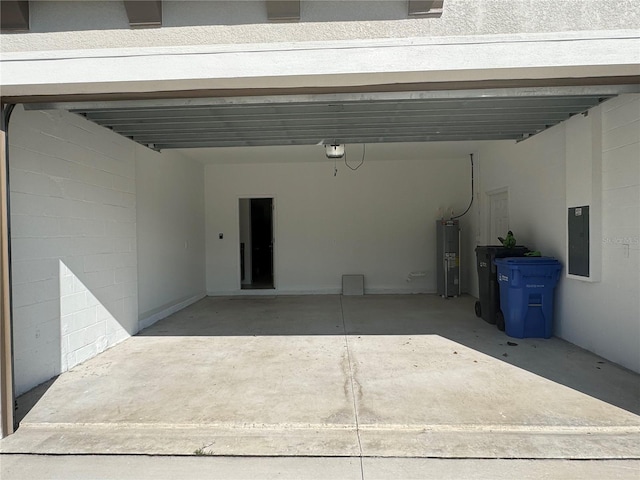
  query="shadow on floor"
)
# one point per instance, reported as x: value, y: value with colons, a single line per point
x: 454, y: 319
x: 28, y: 400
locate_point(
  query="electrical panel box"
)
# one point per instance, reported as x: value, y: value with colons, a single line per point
x: 578, y: 222
x: 448, y: 261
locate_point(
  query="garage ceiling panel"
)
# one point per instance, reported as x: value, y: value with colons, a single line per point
x: 498, y: 114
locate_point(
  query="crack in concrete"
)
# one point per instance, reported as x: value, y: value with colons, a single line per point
x: 353, y: 381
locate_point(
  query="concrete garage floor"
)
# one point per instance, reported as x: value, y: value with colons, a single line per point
x: 331, y: 376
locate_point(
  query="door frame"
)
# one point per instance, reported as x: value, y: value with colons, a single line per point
x: 274, y: 253
x: 6, y: 354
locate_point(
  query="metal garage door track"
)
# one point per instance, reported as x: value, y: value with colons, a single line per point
x: 404, y: 376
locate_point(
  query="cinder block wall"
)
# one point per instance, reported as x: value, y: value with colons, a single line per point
x: 170, y: 233
x: 602, y: 314
x: 73, y: 213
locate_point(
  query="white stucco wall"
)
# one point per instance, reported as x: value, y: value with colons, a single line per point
x: 332, y: 65
x: 378, y: 220
x: 73, y: 242
x: 104, y: 24
x: 170, y: 212
x: 601, y: 315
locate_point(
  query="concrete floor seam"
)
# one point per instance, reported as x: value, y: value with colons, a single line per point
x: 410, y: 376
x: 294, y: 456
x: 353, y: 390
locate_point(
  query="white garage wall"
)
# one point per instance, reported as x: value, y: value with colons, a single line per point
x: 533, y: 172
x: 378, y: 220
x: 73, y: 242
x: 170, y: 212
x: 602, y: 316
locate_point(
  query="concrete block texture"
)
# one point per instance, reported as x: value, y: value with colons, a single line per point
x: 601, y: 316
x: 73, y: 238
x: 170, y: 232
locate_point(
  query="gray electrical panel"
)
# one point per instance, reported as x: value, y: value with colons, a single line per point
x: 448, y: 260
x: 578, y: 222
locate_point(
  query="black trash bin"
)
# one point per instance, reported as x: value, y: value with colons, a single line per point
x: 489, y: 290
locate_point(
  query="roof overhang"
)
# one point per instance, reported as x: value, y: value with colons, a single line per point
x: 339, y: 65
x: 426, y: 89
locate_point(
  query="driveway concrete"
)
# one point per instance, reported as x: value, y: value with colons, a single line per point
x: 101, y: 467
x: 331, y: 376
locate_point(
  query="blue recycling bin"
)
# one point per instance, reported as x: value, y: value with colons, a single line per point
x: 527, y: 285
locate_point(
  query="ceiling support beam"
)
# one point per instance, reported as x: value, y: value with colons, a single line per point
x: 426, y: 8
x: 14, y: 16
x: 398, y: 96
x: 283, y: 10
x: 144, y: 14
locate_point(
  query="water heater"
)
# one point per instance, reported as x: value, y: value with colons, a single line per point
x: 448, y: 260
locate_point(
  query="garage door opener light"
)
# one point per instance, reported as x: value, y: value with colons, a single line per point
x: 335, y: 150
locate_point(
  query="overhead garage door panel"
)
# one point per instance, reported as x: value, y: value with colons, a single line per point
x: 498, y: 114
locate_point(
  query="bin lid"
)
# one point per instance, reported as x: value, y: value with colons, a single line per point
x: 526, y: 261
x: 501, y: 249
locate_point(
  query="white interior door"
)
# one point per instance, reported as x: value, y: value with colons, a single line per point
x: 498, y: 216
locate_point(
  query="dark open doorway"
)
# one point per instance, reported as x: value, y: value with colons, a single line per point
x: 256, y: 243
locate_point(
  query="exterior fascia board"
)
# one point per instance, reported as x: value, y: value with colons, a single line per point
x: 333, y: 64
